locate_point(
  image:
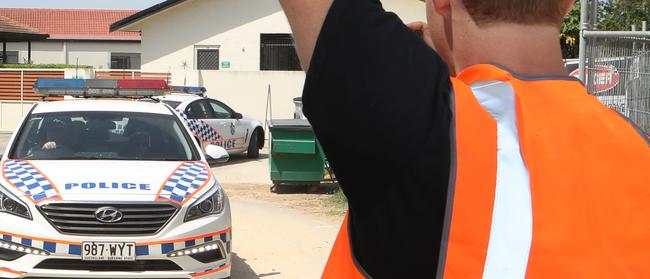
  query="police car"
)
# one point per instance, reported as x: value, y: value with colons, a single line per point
x: 221, y: 125
x: 107, y: 188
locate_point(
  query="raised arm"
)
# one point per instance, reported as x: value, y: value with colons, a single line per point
x: 306, y: 18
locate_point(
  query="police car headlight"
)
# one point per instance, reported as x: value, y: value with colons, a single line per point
x: 210, y: 203
x: 10, y: 204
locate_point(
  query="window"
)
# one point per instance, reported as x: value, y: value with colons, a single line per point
x: 207, y: 59
x: 125, y: 60
x: 198, y: 110
x: 220, y: 110
x: 12, y: 57
x: 278, y: 53
x: 172, y: 104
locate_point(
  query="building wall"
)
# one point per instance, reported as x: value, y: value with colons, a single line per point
x: 91, y: 53
x: 234, y: 26
x: 169, y: 40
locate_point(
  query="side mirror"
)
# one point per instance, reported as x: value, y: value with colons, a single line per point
x: 237, y: 115
x: 216, y: 154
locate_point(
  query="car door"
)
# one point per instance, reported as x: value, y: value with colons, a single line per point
x: 235, y: 133
x: 201, y: 110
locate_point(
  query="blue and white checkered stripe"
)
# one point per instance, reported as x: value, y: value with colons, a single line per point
x: 201, y: 129
x: 50, y: 246
x: 186, y: 180
x: 165, y: 248
x: 22, y: 175
x: 140, y: 250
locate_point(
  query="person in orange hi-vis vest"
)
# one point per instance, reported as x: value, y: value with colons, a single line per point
x: 468, y: 152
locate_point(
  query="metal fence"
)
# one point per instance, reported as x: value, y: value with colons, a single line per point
x: 131, y: 74
x: 615, y: 65
x: 618, y: 73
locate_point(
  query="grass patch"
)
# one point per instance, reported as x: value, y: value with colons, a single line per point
x: 44, y: 66
x: 337, y: 203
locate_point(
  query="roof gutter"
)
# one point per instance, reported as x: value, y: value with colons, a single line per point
x: 144, y: 14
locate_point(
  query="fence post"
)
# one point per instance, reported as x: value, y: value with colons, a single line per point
x: 584, y: 11
x: 22, y: 92
x: 132, y: 74
x: 644, y: 27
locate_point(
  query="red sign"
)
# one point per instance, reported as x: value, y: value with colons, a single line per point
x: 604, y: 78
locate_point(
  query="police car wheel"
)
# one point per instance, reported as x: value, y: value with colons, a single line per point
x: 253, y: 150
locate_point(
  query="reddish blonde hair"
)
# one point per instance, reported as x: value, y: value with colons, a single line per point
x: 532, y: 12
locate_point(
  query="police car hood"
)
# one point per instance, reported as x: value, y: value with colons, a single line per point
x: 117, y: 180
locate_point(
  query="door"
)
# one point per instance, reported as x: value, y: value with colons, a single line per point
x: 200, y: 110
x: 234, y: 133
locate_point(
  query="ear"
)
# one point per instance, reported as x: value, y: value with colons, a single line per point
x: 442, y: 7
x: 569, y: 7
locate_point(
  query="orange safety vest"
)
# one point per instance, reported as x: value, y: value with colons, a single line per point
x: 546, y: 183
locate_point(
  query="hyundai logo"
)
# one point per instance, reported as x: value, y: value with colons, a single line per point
x: 108, y: 214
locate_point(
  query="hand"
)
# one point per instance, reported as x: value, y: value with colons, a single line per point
x: 49, y: 145
x: 424, y: 28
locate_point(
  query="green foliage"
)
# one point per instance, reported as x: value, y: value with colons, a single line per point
x: 570, y: 33
x: 613, y: 15
x: 617, y: 15
x: 44, y: 66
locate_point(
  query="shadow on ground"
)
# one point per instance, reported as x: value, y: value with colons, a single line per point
x: 236, y: 159
x: 241, y: 270
x: 319, y: 189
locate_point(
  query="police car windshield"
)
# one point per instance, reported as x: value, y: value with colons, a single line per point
x: 96, y: 135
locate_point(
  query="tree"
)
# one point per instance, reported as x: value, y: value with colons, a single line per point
x: 613, y: 15
x: 619, y: 15
x: 570, y: 33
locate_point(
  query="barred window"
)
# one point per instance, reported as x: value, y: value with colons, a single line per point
x: 125, y: 60
x: 278, y: 53
x: 207, y: 59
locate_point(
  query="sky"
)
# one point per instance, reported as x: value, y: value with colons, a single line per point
x: 80, y: 4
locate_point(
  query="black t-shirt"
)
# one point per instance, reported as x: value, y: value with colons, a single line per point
x: 379, y: 102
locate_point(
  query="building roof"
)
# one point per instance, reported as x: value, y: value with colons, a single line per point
x: 124, y: 22
x: 73, y: 24
x: 11, y: 30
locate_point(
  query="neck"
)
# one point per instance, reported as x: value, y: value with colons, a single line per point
x: 525, y: 49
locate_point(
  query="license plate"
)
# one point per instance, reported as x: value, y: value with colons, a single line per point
x: 107, y: 251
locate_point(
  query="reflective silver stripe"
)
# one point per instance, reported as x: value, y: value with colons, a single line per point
x: 512, y: 217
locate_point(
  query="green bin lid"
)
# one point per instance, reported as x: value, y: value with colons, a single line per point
x: 290, y: 124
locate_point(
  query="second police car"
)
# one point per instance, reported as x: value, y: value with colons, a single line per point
x: 110, y: 189
x: 221, y: 125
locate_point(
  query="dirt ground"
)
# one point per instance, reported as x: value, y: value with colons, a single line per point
x: 286, y: 235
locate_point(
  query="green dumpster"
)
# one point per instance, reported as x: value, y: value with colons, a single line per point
x: 296, y: 156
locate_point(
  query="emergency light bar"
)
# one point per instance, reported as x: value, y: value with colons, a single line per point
x: 197, y: 90
x: 100, y: 87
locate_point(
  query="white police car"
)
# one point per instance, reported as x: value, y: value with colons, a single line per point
x: 219, y: 124
x: 81, y: 197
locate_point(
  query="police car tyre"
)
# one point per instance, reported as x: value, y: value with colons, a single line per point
x: 253, y: 145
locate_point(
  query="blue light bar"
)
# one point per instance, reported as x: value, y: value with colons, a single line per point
x: 59, y: 87
x: 198, y: 90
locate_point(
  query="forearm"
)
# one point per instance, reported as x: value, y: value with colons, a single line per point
x: 306, y: 18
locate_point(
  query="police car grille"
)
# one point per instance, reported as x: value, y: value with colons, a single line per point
x: 79, y: 218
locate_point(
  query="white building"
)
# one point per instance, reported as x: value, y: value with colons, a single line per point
x: 235, y: 48
x: 76, y: 36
